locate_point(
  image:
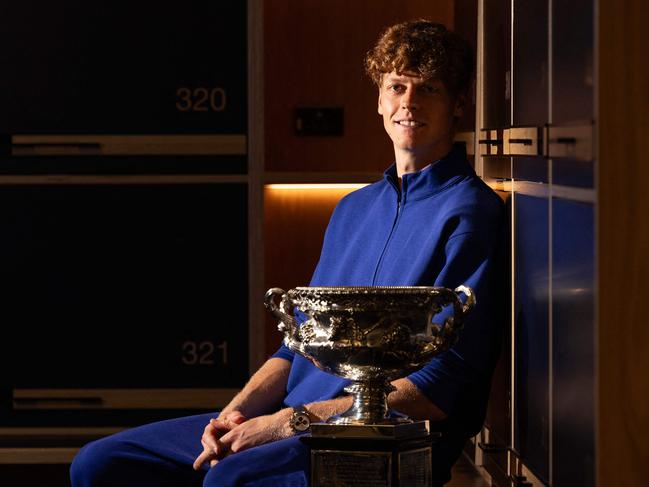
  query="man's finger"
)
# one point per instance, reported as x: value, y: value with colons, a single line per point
x: 211, y: 443
x: 225, y: 424
x: 237, y: 418
x: 202, y: 458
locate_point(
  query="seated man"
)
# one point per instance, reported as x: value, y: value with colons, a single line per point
x: 430, y: 221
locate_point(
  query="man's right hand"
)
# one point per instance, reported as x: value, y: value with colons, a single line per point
x: 217, y: 427
x: 262, y: 394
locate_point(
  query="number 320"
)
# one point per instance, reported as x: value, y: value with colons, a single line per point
x: 200, y: 99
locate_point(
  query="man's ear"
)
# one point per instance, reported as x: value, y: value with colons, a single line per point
x: 460, y: 104
x: 380, y: 109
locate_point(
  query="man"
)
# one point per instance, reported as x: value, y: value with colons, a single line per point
x: 430, y: 221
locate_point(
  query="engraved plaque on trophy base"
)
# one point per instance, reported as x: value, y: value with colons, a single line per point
x: 370, y: 462
x: 364, y: 463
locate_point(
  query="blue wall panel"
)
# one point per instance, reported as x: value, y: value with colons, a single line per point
x: 531, y: 328
x: 573, y: 343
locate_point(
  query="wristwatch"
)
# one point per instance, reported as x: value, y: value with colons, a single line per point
x: 300, y: 420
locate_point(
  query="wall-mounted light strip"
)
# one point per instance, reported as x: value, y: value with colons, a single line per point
x: 316, y: 186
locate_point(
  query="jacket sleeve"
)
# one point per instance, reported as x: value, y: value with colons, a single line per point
x: 463, y: 372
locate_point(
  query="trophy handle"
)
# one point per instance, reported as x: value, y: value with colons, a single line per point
x: 287, y: 324
x: 453, y: 324
x: 470, y: 298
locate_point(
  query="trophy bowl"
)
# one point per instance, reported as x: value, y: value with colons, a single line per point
x: 369, y: 335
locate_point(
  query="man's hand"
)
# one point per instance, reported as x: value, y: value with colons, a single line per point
x: 224, y: 438
x: 216, y: 428
x: 254, y: 432
x: 263, y: 393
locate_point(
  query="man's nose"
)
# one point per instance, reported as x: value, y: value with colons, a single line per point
x: 409, y: 100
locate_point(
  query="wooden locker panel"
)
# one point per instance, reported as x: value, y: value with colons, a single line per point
x: 572, y: 62
x: 530, y: 63
x: 107, y: 67
x: 295, y: 221
x: 573, y: 172
x: 532, y: 424
x: 124, y: 286
x: 573, y: 325
x: 466, y: 25
x: 622, y: 243
x: 497, y: 64
x: 533, y: 169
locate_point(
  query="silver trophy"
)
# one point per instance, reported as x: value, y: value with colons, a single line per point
x: 371, y: 336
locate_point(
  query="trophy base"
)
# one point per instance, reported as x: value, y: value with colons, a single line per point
x: 395, y: 431
x: 340, y: 461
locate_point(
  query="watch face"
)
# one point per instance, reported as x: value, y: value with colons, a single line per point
x: 300, y: 421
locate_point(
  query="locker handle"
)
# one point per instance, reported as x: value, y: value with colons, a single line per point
x: 63, y: 145
x: 564, y: 140
x: 42, y: 402
x: 490, y: 142
x: 521, y: 141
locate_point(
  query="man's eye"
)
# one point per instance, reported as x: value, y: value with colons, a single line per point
x: 395, y: 88
x: 430, y: 89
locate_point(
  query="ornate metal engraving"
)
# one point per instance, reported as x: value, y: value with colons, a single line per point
x: 370, y: 335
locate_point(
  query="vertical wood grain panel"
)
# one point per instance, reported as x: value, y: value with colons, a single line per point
x: 294, y: 224
x: 314, y: 52
x: 623, y: 261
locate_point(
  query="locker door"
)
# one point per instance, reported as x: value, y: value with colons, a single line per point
x: 497, y: 74
x: 572, y: 61
x: 123, y: 287
x: 530, y: 64
x: 531, y: 439
x: 573, y: 343
x: 466, y: 25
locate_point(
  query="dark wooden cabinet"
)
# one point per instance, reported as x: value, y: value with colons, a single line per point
x: 573, y: 75
x: 124, y: 210
x: 497, y: 87
x: 123, y: 68
x: 124, y: 286
x: 530, y: 69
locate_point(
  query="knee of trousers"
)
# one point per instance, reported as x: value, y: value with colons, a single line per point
x: 92, y: 462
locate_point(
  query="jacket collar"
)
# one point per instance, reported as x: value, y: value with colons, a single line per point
x: 433, y: 178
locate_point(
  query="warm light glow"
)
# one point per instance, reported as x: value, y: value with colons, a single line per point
x: 316, y: 186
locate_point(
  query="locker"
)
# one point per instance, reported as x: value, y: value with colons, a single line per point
x: 125, y: 287
x: 530, y: 63
x: 572, y: 62
x: 573, y: 280
x: 122, y: 68
x: 531, y: 310
x: 497, y: 66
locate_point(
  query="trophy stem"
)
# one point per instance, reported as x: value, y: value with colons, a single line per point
x: 370, y: 404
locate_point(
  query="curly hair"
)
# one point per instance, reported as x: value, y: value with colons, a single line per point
x: 426, y: 49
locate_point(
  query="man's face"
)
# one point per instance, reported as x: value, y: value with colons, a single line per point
x: 418, y: 114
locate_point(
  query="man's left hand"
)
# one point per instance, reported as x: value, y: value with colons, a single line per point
x: 255, y: 432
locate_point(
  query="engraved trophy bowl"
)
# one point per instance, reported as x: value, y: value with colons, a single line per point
x: 369, y: 335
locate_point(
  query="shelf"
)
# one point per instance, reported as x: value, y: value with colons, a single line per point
x: 321, y: 177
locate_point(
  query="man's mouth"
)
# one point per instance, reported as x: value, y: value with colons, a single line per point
x: 409, y: 123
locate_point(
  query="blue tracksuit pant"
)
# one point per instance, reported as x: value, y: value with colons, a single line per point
x: 161, y: 454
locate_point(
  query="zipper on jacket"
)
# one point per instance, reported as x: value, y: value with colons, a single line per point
x: 387, y: 242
